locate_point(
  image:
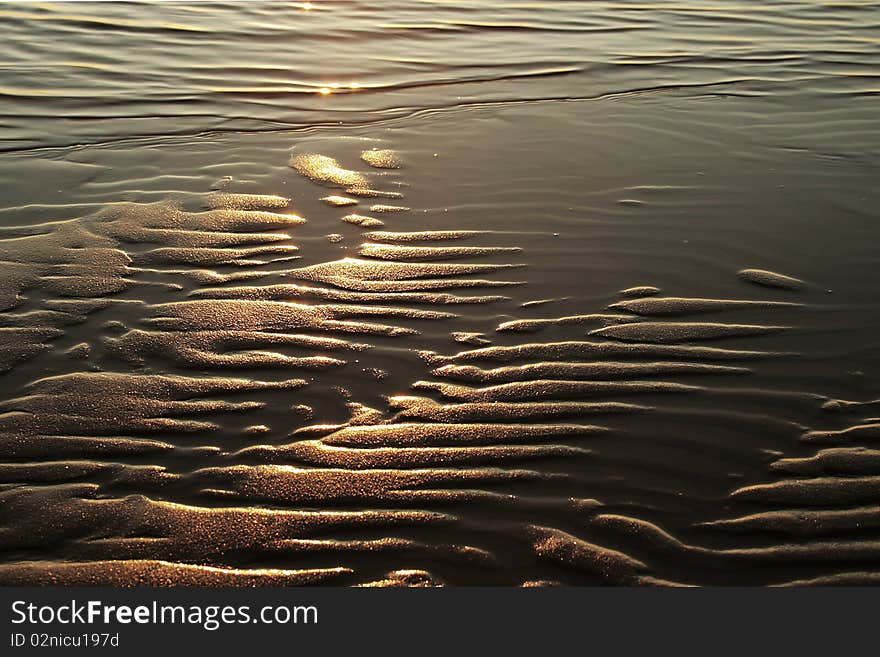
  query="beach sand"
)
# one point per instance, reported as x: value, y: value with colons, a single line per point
x: 410, y: 295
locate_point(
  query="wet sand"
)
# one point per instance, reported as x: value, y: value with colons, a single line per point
x: 569, y: 316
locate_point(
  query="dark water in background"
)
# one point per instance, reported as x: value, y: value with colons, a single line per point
x: 615, y: 145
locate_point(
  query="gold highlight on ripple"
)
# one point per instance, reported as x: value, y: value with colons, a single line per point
x: 291, y: 484
x: 426, y: 409
x: 682, y: 331
x: 339, y: 201
x: 218, y: 349
x: 326, y: 170
x: 137, y: 527
x: 245, y: 201
x: 363, y: 221
x: 451, y: 434
x: 290, y: 291
x: 660, y: 306
x: 423, y: 235
x: 80, y: 404
x: 245, y: 315
x: 387, y: 276
x: 535, y: 325
x: 381, y: 158
x: 318, y: 453
x: 468, y: 337
x: 593, y: 371
x: 771, y: 279
x: 379, y: 207
x: 583, y: 349
x: 152, y: 572
x: 402, y: 253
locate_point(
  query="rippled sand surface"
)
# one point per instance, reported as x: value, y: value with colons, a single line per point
x: 406, y: 294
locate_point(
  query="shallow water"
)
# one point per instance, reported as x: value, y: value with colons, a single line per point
x: 413, y: 293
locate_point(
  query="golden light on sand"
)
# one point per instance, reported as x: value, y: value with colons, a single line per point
x: 333, y: 87
x: 620, y: 334
x: 322, y: 168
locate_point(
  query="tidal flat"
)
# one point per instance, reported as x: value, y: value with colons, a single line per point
x: 424, y: 294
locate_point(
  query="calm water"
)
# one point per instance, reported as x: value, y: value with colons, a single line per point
x: 526, y: 345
